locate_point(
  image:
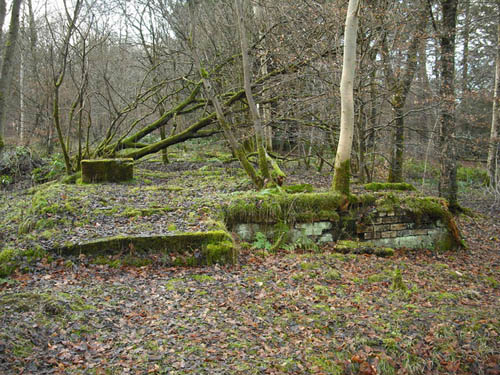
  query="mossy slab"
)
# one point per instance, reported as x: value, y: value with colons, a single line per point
x: 269, y: 208
x: 378, y: 186
x: 107, y: 170
x: 202, y: 248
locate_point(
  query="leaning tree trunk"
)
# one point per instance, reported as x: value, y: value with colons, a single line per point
x: 342, y: 171
x: 448, y: 177
x: 8, y: 56
x: 493, y: 145
x: 247, y: 85
x: 3, y: 13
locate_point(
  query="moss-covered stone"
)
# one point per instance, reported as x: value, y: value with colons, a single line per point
x: 107, y: 170
x: 363, y: 247
x: 378, y: 186
x: 265, y: 207
x: 181, y: 244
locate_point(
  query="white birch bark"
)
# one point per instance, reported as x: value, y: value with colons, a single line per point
x: 343, y: 157
x: 493, y: 145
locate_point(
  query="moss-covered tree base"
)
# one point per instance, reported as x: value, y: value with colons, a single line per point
x: 107, y: 170
x: 341, y: 178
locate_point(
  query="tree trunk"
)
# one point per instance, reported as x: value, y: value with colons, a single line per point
x: 265, y: 108
x: 6, y: 72
x: 236, y: 148
x: 342, y: 170
x: 400, y: 86
x: 247, y: 85
x: 397, y: 157
x: 448, y: 178
x: 465, y: 55
x: 3, y: 13
x: 493, y: 145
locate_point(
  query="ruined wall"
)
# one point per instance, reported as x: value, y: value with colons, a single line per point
x: 413, y: 223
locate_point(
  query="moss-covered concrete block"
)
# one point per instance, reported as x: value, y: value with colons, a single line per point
x: 187, y: 249
x: 107, y: 170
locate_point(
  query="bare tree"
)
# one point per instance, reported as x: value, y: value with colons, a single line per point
x: 448, y: 187
x: 7, y: 61
x: 495, y: 117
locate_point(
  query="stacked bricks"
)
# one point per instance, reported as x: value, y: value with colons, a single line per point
x: 392, y: 225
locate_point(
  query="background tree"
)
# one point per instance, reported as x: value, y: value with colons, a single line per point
x: 448, y: 158
x: 492, y: 166
x: 7, y: 60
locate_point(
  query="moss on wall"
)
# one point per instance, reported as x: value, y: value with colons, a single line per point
x: 283, y: 207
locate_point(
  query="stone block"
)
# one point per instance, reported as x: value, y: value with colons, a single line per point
x: 382, y: 228
x: 420, y: 232
x: 327, y: 237
x: 314, y: 229
x: 390, y: 220
x: 398, y: 226
x: 107, y: 170
x: 389, y: 234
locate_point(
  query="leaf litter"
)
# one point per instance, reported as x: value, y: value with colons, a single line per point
x: 282, y: 313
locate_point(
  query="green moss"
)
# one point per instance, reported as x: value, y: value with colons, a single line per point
x: 299, y: 188
x: 341, y: 178
x: 221, y: 252
x: 363, y: 247
x: 203, y: 278
x: 11, y: 259
x: 332, y: 274
x: 22, y: 348
x: 134, y: 261
x: 144, y: 212
x: 268, y: 207
x: 105, y: 260
x: 8, y: 261
x: 384, y: 251
x: 48, y: 303
x: 397, y: 281
x: 71, y: 179
x: 377, y: 186
x: 107, y: 170
x: 221, y: 249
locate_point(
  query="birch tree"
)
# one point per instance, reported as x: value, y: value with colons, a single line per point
x: 342, y: 170
x: 493, y: 144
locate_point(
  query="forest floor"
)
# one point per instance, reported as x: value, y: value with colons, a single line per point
x: 308, y: 312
